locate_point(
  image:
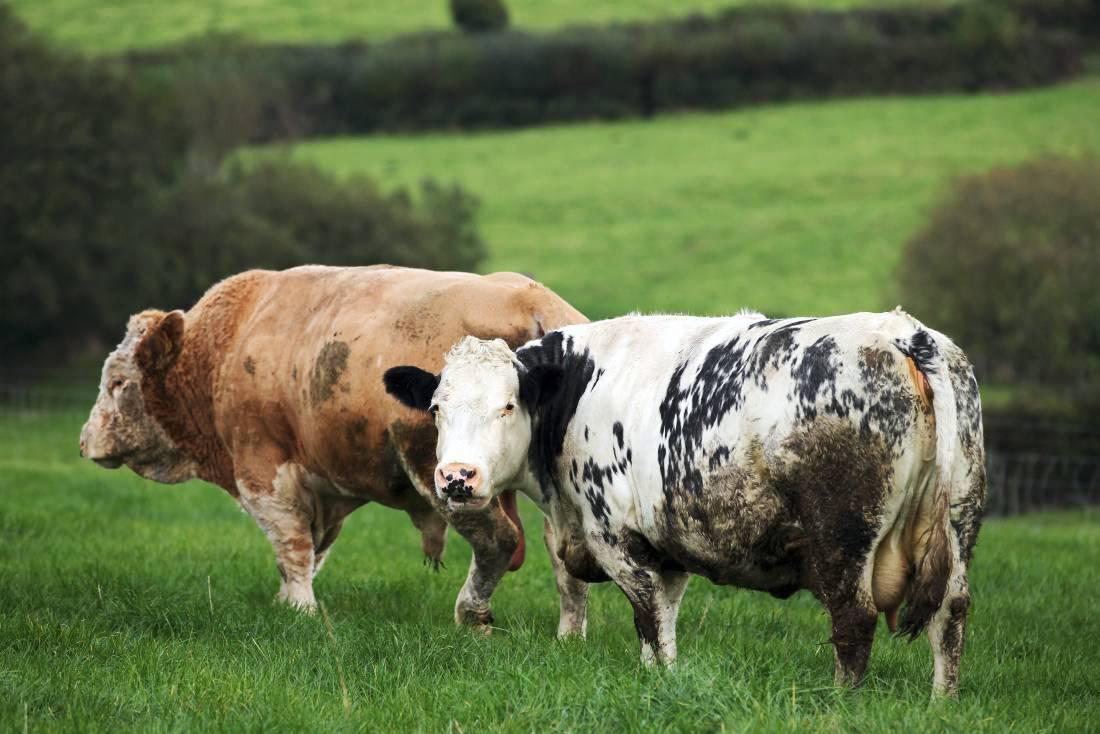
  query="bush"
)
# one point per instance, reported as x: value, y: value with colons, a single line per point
x: 1079, y: 16
x: 479, y: 16
x: 278, y: 214
x: 81, y: 147
x: 1008, y: 265
x: 107, y: 206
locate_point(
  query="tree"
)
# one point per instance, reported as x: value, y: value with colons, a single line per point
x: 1008, y: 265
x: 479, y: 16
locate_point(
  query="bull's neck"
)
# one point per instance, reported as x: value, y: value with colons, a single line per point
x: 528, y: 484
x: 185, y: 410
x: 182, y: 400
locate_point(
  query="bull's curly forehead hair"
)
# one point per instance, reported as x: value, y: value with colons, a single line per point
x: 135, y: 329
x: 480, y: 352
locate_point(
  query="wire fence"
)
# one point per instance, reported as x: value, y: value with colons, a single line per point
x: 1031, y: 464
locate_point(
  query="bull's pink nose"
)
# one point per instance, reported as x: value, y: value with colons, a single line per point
x: 457, y: 480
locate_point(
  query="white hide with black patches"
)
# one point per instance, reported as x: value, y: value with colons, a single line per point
x: 768, y: 454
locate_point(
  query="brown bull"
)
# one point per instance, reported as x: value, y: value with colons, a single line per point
x: 271, y: 388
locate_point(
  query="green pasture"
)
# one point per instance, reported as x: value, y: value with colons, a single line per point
x: 120, y: 25
x: 131, y: 606
x: 788, y: 209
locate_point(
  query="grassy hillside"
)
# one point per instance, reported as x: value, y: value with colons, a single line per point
x: 124, y: 24
x: 788, y: 209
x: 133, y: 606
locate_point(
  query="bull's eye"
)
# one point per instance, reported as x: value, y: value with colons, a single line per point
x: 508, y: 409
x: 434, y: 410
x: 116, y: 384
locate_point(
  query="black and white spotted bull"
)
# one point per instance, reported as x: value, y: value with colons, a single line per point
x: 841, y: 455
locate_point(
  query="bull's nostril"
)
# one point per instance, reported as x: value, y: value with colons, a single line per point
x: 470, y: 474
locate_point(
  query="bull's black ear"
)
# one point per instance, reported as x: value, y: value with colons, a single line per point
x: 413, y: 386
x: 539, y: 384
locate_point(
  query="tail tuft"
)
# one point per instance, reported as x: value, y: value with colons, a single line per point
x: 926, y: 589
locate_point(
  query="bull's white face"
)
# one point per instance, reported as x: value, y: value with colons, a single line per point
x: 484, y: 428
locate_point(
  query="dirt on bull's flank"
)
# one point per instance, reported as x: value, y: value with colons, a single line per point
x: 330, y: 364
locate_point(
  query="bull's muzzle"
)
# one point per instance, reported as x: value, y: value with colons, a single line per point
x: 460, y: 485
x: 87, y: 451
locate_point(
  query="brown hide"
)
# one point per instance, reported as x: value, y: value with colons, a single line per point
x: 287, y: 366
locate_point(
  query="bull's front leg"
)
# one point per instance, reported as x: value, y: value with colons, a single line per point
x: 655, y: 596
x: 853, y: 636
x: 573, y: 592
x: 494, y: 539
x: 669, y: 593
x: 279, y: 508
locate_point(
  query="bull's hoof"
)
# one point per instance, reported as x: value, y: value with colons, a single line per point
x: 298, y: 602
x: 572, y: 630
x: 478, y: 620
x: 944, y: 695
x: 846, y: 680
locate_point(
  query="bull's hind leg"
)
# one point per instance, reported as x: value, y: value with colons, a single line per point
x: 433, y: 533
x: 946, y: 632
x: 572, y: 591
x: 328, y: 519
x: 841, y: 577
x: 322, y: 545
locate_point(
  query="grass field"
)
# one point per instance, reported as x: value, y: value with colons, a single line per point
x: 790, y: 209
x: 117, y: 25
x: 133, y: 606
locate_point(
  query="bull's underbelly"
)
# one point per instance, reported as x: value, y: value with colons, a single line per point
x: 754, y: 547
x: 363, y: 475
x: 731, y: 524
x: 759, y: 519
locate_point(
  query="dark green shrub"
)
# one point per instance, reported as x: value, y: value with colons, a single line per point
x: 1008, y: 265
x: 1079, y: 16
x: 81, y: 147
x: 279, y: 214
x: 107, y: 207
x: 510, y: 78
x: 233, y: 92
x: 227, y: 98
x: 479, y: 16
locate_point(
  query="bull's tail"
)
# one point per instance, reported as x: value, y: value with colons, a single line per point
x: 925, y: 592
